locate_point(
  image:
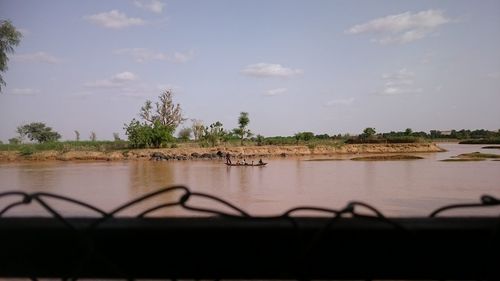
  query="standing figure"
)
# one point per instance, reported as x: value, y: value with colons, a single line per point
x: 228, y: 158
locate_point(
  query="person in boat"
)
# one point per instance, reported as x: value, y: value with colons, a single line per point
x: 228, y: 158
x: 260, y: 161
x: 245, y: 161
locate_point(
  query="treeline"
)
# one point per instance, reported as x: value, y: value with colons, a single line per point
x: 158, y: 122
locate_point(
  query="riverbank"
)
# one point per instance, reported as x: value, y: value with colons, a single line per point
x: 189, y: 153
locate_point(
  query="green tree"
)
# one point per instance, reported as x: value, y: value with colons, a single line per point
x: 260, y: 140
x: 14, y: 141
x: 214, y: 134
x: 9, y: 37
x: 185, y: 134
x: 408, y: 131
x: 303, y: 136
x: 242, y: 130
x: 158, y: 126
x: 368, y: 133
x: 144, y: 135
x: 38, y: 131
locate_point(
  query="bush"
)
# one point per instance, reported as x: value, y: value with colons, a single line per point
x: 143, y: 135
x: 26, y: 151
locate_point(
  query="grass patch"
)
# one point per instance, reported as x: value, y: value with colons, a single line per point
x: 462, y: 159
x: 481, y: 141
x: 479, y: 155
x: 491, y: 147
x: 324, y: 159
x: 66, y: 146
x: 387, y: 158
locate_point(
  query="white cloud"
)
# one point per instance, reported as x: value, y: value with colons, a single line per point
x: 494, y: 75
x: 269, y: 70
x: 400, y: 82
x: 114, y: 19
x: 24, y: 91
x: 41, y: 57
x: 182, y: 57
x: 117, y: 80
x: 346, y: 101
x: 402, y: 28
x: 154, y: 6
x: 143, y: 55
x: 275, y: 92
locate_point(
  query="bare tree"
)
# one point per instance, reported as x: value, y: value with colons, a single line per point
x: 116, y: 137
x: 77, y: 135
x: 166, y: 112
x: 198, y: 128
x: 93, y: 136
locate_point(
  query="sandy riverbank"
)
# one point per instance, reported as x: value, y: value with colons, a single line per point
x: 215, y: 152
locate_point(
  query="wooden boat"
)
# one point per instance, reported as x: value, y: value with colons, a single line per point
x: 250, y: 165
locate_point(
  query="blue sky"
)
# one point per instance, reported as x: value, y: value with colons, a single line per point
x: 322, y: 66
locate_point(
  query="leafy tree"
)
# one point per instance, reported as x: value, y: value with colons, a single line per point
x: 166, y: 112
x: 185, y: 134
x: 9, y: 37
x: 92, y: 136
x: 242, y: 130
x: 38, y: 131
x: 158, y: 126
x: 77, y: 135
x: 260, y: 140
x: 144, y: 135
x: 214, y: 134
x: 368, y: 133
x: 408, y: 131
x: 303, y: 136
x: 14, y: 141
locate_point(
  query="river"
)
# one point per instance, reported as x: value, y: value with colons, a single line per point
x: 397, y: 188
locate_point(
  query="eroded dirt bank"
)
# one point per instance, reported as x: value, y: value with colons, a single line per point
x: 220, y: 151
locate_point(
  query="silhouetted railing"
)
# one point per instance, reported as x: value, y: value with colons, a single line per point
x: 355, y: 242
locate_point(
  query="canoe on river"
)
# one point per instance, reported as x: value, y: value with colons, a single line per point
x: 244, y: 165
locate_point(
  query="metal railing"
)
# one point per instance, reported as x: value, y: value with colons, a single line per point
x: 355, y: 242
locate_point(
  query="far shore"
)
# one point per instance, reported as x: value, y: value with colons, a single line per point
x: 192, y: 153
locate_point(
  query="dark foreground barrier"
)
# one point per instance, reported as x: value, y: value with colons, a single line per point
x: 231, y: 248
x: 235, y: 245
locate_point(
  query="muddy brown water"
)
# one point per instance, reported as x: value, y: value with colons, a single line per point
x: 397, y: 188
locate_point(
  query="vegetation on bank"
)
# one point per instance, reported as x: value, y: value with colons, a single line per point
x: 387, y: 158
x: 474, y: 156
x: 493, y: 140
x: 491, y: 147
x: 160, y: 120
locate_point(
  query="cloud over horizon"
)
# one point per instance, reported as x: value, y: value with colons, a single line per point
x: 345, y: 101
x: 402, y: 28
x: 154, y: 6
x: 399, y: 82
x: 275, y: 92
x: 269, y: 70
x: 114, y: 19
x: 37, y: 57
x: 117, y: 80
x: 143, y: 54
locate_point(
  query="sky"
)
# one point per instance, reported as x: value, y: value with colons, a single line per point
x: 322, y: 66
